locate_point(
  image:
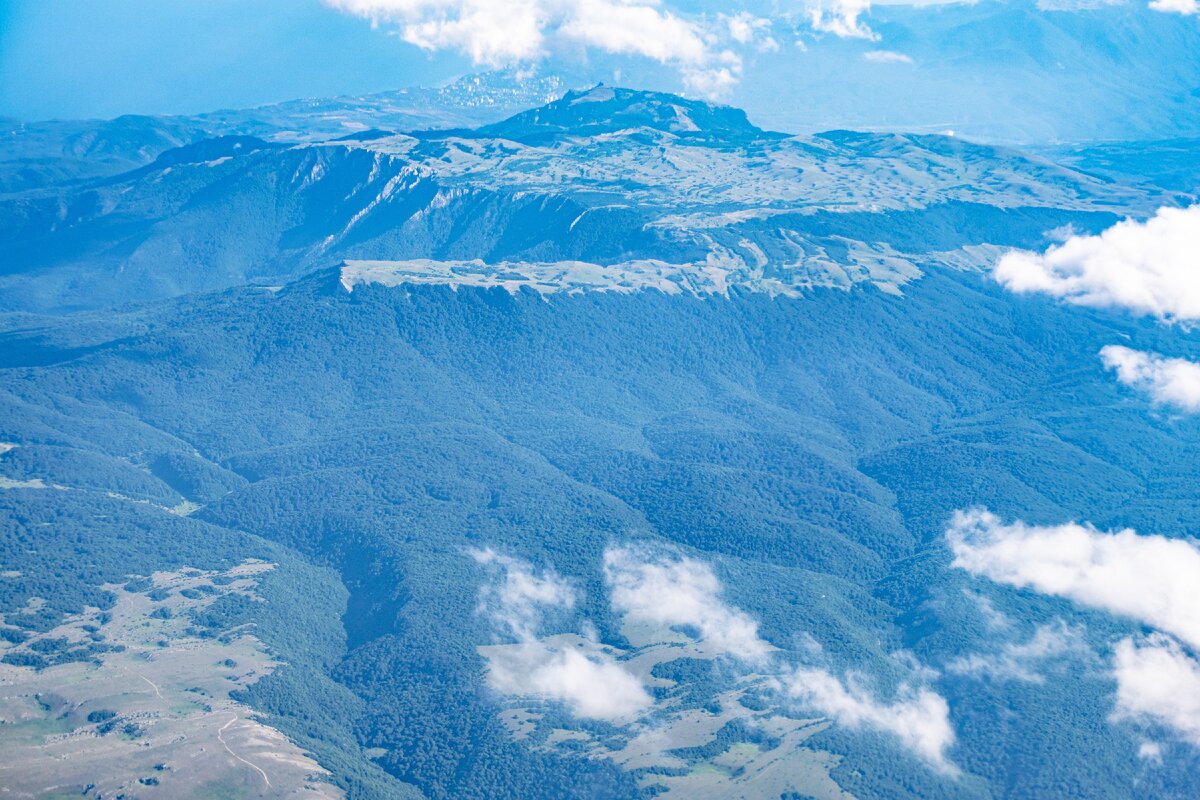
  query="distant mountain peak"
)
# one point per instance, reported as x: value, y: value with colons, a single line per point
x: 608, y: 109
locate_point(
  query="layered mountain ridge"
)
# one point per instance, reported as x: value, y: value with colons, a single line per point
x: 39, y: 154
x: 607, y: 176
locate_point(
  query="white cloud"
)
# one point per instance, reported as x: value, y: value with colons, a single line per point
x: 654, y: 586
x: 841, y: 18
x: 920, y: 719
x: 521, y: 31
x: 1148, y: 268
x: 1150, y: 751
x: 1022, y: 661
x: 516, y: 597
x: 657, y: 586
x: 996, y: 619
x: 1076, y: 5
x: 651, y: 586
x: 1185, y: 7
x: 1158, y: 682
x: 1151, y: 579
x: 592, y: 684
x: 745, y: 28
x: 1168, y: 381
x: 887, y: 57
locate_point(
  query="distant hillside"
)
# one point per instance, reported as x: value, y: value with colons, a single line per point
x: 602, y: 176
x: 34, y: 154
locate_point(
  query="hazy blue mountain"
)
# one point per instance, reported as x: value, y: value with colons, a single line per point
x: 998, y: 70
x: 34, y: 154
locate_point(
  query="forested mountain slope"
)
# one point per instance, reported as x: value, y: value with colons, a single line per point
x: 812, y: 448
x: 608, y: 450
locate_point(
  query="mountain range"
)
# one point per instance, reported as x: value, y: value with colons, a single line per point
x: 603, y: 175
x: 613, y: 447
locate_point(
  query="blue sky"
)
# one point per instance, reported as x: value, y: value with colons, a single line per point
x: 1015, y: 70
x: 73, y: 58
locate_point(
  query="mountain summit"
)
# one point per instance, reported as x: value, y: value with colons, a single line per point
x: 606, y: 109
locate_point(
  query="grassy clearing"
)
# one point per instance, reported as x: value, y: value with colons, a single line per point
x: 149, y: 712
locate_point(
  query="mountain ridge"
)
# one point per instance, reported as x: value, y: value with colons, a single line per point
x: 633, y: 183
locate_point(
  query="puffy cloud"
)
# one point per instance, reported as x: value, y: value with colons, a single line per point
x: 1150, y: 751
x: 841, y: 18
x: 516, y: 597
x: 1185, y: 7
x: 653, y: 586
x: 920, y: 719
x: 1151, y: 579
x: 503, y: 33
x: 633, y: 28
x: 592, y: 684
x: 1148, y: 268
x: 1168, y: 381
x: 660, y: 587
x: 490, y: 33
x: 1021, y: 661
x: 1158, y: 682
x: 663, y: 589
x: 887, y: 57
x: 745, y: 28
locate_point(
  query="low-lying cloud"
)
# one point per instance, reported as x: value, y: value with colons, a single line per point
x: 1023, y: 661
x: 919, y: 718
x: 497, y: 34
x: 1151, y: 579
x: 592, y: 684
x: 1149, y: 268
x: 1168, y: 381
x: 662, y: 588
x: 589, y: 684
x: 516, y: 597
x: 1158, y: 682
x: 659, y: 586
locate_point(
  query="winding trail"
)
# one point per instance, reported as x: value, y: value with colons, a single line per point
x: 221, y: 739
x: 153, y: 686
